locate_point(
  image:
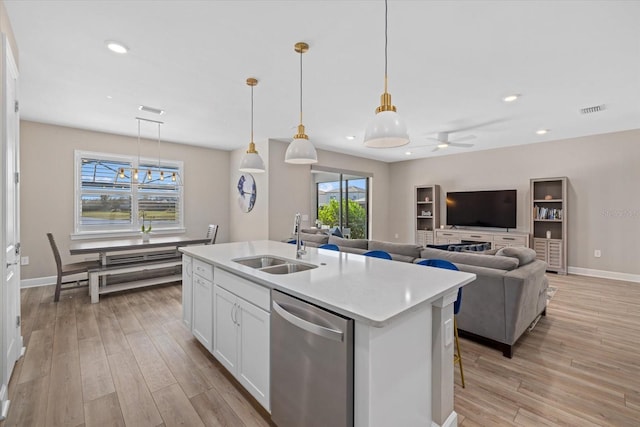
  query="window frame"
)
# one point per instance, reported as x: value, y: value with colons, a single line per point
x: 133, y: 229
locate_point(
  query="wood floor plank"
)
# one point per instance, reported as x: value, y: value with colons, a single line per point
x: 153, y: 367
x: 29, y: 404
x: 86, y: 322
x: 104, y: 411
x: 112, y: 336
x: 191, y: 380
x: 94, y: 367
x: 214, y: 410
x: 136, y: 402
x: 64, y: 403
x: 147, y: 317
x: 37, y: 359
x: 175, y: 408
x: 66, y: 334
x: 126, y: 317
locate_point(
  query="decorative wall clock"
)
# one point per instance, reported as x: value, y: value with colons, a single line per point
x: 246, y: 192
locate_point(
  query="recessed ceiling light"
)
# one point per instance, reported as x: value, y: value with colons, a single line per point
x: 511, y: 98
x: 109, y: 97
x: 408, y: 153
x: 542, y: 131
x: 150, y: 109
x: 116, y: 47
x: 350, y: 137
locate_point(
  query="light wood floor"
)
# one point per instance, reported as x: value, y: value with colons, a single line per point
x: 129, y: 361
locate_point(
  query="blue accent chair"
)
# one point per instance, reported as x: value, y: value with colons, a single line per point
x: 441, y: 263
x: 330, y: 246
x: 378, y: 254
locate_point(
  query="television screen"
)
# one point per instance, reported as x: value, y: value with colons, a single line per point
x: 482, y: 208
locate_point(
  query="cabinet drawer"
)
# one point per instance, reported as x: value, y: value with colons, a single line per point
x: 257, y: 295
x: 203, y: 269
x: 511, y: 240
x: 446, y: 234
x: 480, y: 237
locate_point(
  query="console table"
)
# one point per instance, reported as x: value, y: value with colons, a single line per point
x: 498, y: 239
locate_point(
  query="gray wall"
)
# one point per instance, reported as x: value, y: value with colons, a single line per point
x: 47, y: 187
x: 603, y: 205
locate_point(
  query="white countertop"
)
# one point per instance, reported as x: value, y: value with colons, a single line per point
x: 366, y: 289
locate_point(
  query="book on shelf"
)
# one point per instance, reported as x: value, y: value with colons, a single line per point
x: 546, y: 213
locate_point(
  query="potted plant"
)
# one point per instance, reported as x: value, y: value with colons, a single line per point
x: 145, y: 229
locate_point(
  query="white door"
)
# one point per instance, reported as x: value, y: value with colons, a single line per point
x: 10, y: 268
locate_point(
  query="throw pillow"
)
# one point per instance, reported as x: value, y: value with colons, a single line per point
x: 337, y: 232
x: 524, y: 255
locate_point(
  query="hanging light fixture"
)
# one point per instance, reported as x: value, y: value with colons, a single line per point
x: 301, y: 151
x: 387, y: 129
x: 251, y: 161
x: 151, y: 170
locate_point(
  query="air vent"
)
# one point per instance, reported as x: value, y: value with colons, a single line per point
x: 594, y: 109
x: 151, y: 109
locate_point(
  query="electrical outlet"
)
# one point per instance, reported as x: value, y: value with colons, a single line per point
x: 24, y: 260
x: 397, y: 235
x: 597, y: 253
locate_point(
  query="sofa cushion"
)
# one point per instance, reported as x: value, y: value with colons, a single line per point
x: 406, y: 249
x: 349, y: 243
x: 315, y: 238
x: 522, y: 254
x: 478, y: 259
x: 351, y: 250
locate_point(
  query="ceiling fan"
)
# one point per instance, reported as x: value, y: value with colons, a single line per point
x: 443, y: 141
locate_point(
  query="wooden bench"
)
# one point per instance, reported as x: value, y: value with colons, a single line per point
x: 138, y: 266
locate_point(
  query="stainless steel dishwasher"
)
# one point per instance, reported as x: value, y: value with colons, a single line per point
x: 311, y: 365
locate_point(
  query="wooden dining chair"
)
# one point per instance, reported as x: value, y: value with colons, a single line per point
x: 212, y: 233
x: 68, y: 270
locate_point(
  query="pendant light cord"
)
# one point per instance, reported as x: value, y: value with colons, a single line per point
x: 251, y: 113
x: 138, y: 165
x: 158, y: 145
x: 301, y: 86
x: 386, y: 43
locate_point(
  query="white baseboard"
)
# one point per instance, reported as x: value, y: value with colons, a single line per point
x: 614, y: 275
x: 37, y: 281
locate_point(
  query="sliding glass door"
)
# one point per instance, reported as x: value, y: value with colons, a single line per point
x: 342, y: 200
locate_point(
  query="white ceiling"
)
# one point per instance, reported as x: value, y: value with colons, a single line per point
x: 450, y: 63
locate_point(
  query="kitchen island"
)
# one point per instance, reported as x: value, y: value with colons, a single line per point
x: 403, y: 332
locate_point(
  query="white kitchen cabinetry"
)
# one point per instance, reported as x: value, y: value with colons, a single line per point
x: 242, y: 331
x: 202, y: 282
x: 187, y: 290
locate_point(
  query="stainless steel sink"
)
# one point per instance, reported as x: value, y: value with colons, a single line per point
x: 260, y: 261
x: 287, y: 268
x: 274, y: 265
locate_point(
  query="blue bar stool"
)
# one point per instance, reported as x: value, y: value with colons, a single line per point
x: 378, y: 254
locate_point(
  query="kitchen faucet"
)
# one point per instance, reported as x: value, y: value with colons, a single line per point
x: 299, y: 248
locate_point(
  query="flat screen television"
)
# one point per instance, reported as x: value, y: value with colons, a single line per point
x: 496, y: 208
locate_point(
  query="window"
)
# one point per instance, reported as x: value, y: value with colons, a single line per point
x: 110, y: 200
x: 342, y: 200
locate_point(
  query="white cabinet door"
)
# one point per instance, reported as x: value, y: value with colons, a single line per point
x: 225, y: 347
x: 253, y: 362
x: 187, y: 289
x: 202, y: 311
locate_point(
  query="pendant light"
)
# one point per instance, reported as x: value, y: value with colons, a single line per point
x: 301, y: 151
x: 251, y: 161
x: 387, y: 129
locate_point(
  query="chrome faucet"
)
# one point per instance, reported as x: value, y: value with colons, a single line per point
x: 299, y: 248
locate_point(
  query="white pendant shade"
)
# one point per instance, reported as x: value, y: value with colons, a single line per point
x: 252, y: 163
x: 386, y: 130
x: 301, y: 152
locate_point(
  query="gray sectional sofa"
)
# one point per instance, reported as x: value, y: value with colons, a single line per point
x: 509, y: 294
